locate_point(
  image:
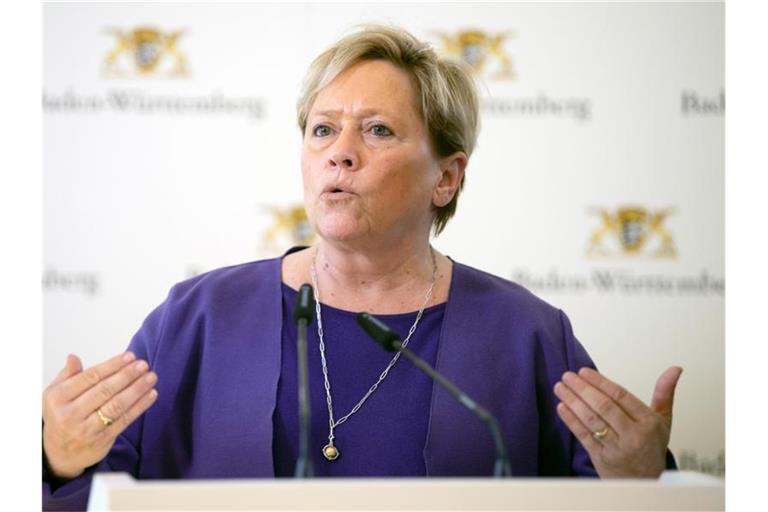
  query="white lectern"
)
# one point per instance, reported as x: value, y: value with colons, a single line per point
x: 675, y: 490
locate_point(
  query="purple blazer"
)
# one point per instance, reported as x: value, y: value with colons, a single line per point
x: 215, y: 344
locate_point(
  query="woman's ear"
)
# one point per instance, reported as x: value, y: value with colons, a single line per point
x: 451, y: 175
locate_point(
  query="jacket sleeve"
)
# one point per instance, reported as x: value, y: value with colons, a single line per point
x: 125, y: 455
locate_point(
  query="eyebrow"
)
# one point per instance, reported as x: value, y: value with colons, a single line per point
x: 362, y: 113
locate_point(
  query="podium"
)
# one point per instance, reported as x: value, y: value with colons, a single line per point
x: 674, y: 490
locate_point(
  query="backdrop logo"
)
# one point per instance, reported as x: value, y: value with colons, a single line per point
x: 632, y: 230
x: 483, y: 51
x: 487, y: 57
x: 289, y: 227
x: 145, y: 52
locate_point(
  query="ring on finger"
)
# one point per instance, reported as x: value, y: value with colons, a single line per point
x: 105, y: 420
x: 600, y: 434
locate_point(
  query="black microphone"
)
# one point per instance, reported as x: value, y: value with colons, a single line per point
x: 302, y: 313
x: 390, y: 341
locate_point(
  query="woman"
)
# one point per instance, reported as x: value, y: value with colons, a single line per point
x: 388, y: 128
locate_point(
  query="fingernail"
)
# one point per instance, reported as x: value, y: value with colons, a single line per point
x: 142, y: 366
x: 151, y: 378
x: 128, y: 357
x: 153, y: 394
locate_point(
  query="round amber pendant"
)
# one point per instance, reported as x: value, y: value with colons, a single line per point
x: 330, y: 452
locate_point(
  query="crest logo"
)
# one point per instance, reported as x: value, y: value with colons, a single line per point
x: 632, y: 230
x: 482, y: 51
x: 145, y: 51
x: 290, y: 227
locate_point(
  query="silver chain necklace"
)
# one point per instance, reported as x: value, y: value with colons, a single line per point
x: 330, y: 451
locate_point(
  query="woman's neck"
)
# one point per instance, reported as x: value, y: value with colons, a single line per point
x: 376, y: 271
x: 380, y: 281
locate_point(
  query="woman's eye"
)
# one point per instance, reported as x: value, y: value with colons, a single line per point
x: 380, y: 130
x: 321, y: 130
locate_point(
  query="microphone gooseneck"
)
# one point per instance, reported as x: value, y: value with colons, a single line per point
x: 389, y: 340
x: 302, y: 313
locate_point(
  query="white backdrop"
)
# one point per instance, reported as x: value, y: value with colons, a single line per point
x: 152, y: 177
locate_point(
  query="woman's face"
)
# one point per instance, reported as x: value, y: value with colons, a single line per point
x: 368, y: 168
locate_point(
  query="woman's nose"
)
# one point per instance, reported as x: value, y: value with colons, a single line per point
x: 344, y: 154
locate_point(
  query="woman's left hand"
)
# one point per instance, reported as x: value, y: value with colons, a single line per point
x: 624, y: 437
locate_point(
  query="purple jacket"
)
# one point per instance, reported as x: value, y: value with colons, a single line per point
x: 215, y: 345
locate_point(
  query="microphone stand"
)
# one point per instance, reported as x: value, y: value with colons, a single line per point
x: 390, y: 341
x: 305, y: 302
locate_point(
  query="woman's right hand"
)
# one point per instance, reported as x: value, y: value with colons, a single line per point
x: 85, y: 410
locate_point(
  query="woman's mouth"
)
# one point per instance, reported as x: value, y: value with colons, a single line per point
x: 336, y: 195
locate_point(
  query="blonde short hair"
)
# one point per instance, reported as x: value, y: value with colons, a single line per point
x: 445, y: 90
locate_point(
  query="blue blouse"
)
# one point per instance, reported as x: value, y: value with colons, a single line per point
x: 386, y: 436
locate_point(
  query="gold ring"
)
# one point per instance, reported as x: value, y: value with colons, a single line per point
x: 106, y: 420
x: 600, y: 433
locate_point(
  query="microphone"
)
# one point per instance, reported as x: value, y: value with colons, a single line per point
x: 302, y: 313
x: 389, y: 340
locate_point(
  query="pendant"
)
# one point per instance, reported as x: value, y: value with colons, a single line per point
x: 331, y: 452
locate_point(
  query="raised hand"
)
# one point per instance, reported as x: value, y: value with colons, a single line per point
x: 623, y: 436
x: 85, y: 410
